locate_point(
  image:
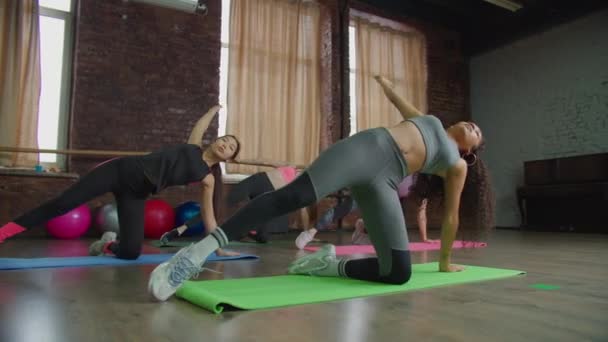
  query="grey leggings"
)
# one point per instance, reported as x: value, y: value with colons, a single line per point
x: 373, y: 168
x: 369, y: 163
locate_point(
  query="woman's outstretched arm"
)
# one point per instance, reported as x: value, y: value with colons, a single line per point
x: 406, y: 109
x: 196, y: 135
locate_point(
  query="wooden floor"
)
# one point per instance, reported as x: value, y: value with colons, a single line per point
x: 111, y: 303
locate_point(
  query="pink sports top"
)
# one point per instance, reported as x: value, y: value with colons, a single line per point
x: 288, y: 173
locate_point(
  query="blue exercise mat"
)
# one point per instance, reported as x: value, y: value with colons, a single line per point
x: 145, y: 259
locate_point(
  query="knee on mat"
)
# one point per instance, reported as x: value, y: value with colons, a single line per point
x: 401, y: 270
x: 129, y: 253
x: 399, y: 277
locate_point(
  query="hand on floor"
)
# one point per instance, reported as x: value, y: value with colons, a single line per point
x: 168, y: 236
x: 431, y: 241
x: 222, y: 253
x: 451, y: 268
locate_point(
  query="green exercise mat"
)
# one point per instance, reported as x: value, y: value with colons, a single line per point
x: 277, y: 291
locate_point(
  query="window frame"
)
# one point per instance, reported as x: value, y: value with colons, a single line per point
x: 66, y: 80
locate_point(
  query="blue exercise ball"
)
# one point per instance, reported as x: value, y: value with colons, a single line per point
x: 186, y: 211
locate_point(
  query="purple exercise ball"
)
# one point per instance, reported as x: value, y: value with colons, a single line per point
x: 404, y: 186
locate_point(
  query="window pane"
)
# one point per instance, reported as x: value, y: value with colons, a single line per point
x: 223, y: 90
x: 221, y: 129
x: 353, y: 104
x: 51, y: 62
x: 62, y: 5
x: 352, y: 55
x: 224, y: 54
x: 225, y: 21
x: 352, y: 61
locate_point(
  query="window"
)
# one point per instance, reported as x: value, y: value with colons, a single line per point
x: 379, y: 46
x: 225, y: 39
x: 55, y: 66
x: 352, y: 65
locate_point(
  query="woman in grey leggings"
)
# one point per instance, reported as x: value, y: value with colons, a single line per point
x: 371, y: 163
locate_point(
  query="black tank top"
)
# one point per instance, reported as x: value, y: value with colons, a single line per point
x: 174, y: 165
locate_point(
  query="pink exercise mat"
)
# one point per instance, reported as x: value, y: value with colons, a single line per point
x: 414, y: 247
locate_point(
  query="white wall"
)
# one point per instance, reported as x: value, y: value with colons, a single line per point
x: 542, y: 97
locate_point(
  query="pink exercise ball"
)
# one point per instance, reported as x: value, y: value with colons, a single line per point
x: 159, y: 218
x: 404, y: 186
x: 70, y: 225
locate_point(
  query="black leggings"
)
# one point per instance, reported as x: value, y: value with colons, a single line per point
x: 125, y: 179
x: 369, y: 268
x: 246, y: 190
x: 298, y: 194
x: 250, y: 188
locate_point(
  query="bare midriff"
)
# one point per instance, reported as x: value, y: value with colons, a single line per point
x: 411, y: 144
x: 276, y: 178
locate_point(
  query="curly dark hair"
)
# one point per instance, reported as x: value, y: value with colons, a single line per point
x: 477, y: 204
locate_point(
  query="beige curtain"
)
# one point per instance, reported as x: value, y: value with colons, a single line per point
x: 399, y: 56
x: 19, y: 79
x: 274, y: 81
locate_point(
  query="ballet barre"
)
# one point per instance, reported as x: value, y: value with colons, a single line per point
x: 113, y: 153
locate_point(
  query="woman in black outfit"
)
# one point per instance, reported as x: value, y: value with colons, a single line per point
x: 132, y: 180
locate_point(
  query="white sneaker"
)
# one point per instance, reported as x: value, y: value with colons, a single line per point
x: 305, y: 238
x: 96, y: 248
x: 169, y: 276
x: 314, y: 262
x: 359, y: 236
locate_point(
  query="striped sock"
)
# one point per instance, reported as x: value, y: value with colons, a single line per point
x: 335, y: 268
x: 208, y: 245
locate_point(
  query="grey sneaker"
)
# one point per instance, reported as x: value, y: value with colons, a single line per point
x: 96, y: 248
x: 169, y: 276
x: 314, y: 262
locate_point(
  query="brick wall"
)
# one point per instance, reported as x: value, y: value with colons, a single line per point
x: 334, y: 90
x: 142, y: 75
x: 574, y: 122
